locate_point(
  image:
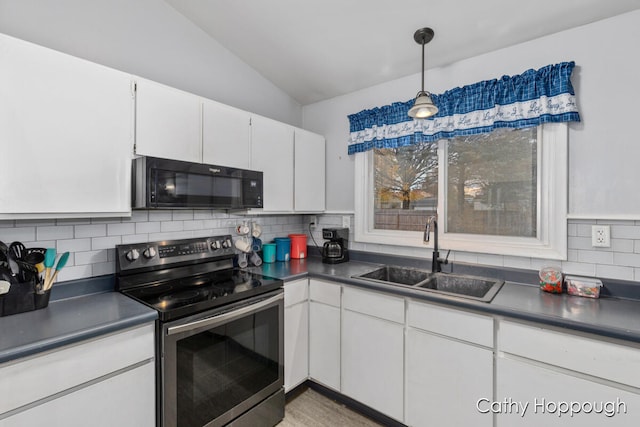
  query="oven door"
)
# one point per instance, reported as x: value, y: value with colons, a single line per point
x: 217, y: 365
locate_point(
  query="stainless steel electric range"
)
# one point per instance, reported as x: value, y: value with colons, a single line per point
x: 219, y: 334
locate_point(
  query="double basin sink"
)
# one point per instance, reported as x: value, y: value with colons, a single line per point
x: 461, y: 285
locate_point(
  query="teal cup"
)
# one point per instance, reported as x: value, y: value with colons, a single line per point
x: 269, y: 252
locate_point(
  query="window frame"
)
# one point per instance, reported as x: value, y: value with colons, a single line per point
x: 552, y: 193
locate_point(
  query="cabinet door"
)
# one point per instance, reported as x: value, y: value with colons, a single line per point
x: 272, y: 153
x: 372, y: 362
x: 445, y: 379
x: 296, y: 333
x: 296, y: 344
x: 537, y: 393
x: 66, y: 132
x: 225, y: 135
x: 324, y: 344
x: 124, y: 400
x: 309, y: 163
x: 168, y: 122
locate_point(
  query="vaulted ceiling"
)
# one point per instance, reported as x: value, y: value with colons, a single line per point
x: 319, y: 49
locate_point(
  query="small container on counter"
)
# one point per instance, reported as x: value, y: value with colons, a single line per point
x: 583, y: 286
x: 551, y: 280
x: 269, y: 252
x: 283, y: 248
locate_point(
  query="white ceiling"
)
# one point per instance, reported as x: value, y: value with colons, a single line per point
x: 319, y: 49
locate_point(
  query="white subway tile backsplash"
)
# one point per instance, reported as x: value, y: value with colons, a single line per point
x: 121, y: 229
x: 7, y: 224
x: 182, y: 215
x: 579, y: 242
x: 93, y: 230
x: 614, y: 272
x: 578, y: 268
x: 74, y: 272
x: 91, y: 257
x: 73, y: 245
x: 20, y: 234
x: 105, y: 242
x: 54, y: 232
x: 137, y: 216
x: 35, y: 222
x: 629, y: 260
x: 147, y: 227
x: 595, y: 257
x: 135, y: 238
x: 202, y: 214
x: 171, y: 226
x: 160, y: 215
x: 625, y: 232
x: 102, y: 268
x: 194, y: 225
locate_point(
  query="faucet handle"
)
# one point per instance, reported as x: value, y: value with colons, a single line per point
x: 446, y: 259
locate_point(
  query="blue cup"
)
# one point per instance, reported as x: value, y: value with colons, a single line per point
x: 269, y: 252
x: 283, y: 248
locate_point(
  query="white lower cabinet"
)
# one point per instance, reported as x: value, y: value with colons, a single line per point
x: 324, y: 333
x: 296, y: 333
x: 449, y: 366
x: 127, y: 399
x: 552, y: 378
x: 445, y: 380
x: 108, y: 381
x: 373, y: 351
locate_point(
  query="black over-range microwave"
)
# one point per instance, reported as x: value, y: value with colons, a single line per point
x: 164, y: 183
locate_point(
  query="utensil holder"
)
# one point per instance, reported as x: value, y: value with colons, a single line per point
x: 23, y: 297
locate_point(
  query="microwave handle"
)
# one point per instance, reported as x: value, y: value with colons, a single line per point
x: 226, y: 317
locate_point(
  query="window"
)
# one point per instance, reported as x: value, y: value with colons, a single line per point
x: 502, y: 192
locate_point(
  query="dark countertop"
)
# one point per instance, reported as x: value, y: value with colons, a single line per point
x: 67, y: 321
x: 609, y: 317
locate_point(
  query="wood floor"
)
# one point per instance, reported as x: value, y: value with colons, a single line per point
x: 312, y: 409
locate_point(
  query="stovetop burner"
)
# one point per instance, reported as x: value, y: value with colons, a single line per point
x: 201, y: 277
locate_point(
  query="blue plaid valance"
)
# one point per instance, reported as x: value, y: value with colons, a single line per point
x: 529, y: 99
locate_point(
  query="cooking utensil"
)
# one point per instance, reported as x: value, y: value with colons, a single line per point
x: 17, y: 249
x: 49, y: 259
x: 3, y: 247
x: 59, y: 266
x: 35, y: 256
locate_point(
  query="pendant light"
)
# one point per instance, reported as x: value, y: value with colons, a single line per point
x: 423, y: 106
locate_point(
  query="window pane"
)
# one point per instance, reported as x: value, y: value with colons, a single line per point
x: 492, y: 183
x: 405, y: 186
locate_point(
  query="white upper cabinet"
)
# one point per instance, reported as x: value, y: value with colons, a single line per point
x: 226, y: 135
x: 66, y: 131
x: 309, y: 174
x: 272, y: 153
x: 168, y: 122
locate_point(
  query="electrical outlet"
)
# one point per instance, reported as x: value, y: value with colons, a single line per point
x: 346, y: 221
x: 600, y: 236
x: 313, y: 221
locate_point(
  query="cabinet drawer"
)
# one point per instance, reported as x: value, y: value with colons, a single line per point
x: 295, y: 292
x: 607, y: 360
x: 325, y: 292
x: 38, y: 377
x: 374, y: 304
x: 458, y: 324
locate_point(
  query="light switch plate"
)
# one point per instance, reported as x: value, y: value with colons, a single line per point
x: 601, y: 236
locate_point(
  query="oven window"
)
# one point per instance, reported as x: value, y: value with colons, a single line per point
x: 221, y: 367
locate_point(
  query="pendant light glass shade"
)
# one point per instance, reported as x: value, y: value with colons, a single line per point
x: 423, y: 106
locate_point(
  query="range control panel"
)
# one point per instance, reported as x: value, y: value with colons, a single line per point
x: 166, y: 252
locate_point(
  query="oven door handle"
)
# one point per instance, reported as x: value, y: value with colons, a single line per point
x: 225, y: 317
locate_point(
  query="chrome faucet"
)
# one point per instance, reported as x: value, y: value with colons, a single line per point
x: 436, y: 262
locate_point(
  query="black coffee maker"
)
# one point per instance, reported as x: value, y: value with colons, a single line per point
x: 335, y: 250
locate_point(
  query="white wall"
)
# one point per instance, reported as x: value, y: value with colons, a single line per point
x: 604, y: 149
x: 150, y: 39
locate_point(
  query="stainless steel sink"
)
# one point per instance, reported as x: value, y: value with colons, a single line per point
x: 477, y: 288
x: 397, y: 275
x: 460, y: 285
